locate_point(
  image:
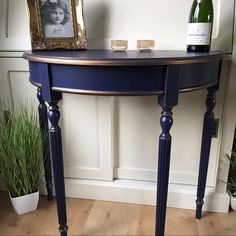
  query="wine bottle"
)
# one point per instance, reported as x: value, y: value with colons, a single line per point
x: 200, y: 26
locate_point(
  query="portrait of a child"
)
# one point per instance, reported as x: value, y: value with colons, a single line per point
x: 56, y: 18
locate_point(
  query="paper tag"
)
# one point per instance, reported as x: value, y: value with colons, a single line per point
x: 199, y: 33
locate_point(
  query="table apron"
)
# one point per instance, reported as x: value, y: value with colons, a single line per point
x: 123, y: 80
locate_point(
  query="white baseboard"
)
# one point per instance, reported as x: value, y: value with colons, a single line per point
x: 142, y: 192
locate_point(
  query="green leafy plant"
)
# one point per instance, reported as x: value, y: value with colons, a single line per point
x: 231, y: 184
x: 20, y: 148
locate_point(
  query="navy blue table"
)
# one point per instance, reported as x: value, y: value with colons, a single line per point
x: 103, y: 72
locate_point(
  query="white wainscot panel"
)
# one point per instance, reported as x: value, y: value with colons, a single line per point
x: 14, y: 81
x: 14, y: 30
x: 138, y: 128
x: 153, y: 19
x: 21, y: 88
x: 86, y: 123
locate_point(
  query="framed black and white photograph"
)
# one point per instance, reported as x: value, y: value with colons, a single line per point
x: 54, y: 24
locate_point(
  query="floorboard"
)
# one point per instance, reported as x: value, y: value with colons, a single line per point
x: 88, y: 217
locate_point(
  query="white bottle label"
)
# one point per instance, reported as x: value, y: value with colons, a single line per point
x: 199, y: 33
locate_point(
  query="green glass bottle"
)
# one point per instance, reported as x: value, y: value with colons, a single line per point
x: 200, y: 26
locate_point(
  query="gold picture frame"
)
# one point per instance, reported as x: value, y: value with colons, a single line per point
x: 56, y: 24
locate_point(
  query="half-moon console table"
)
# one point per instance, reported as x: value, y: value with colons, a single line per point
x: 104, y: 72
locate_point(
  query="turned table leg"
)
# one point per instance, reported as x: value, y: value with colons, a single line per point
x: 57, y: 159
x: 167, y: 101
x: 205, y: 149
x: 43, y: 120
x: 166, y: 122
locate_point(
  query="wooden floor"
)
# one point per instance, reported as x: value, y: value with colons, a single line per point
x: 87, y: 217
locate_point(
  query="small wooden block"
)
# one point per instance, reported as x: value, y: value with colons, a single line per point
x: 145, y: 45
x: 119, y: 45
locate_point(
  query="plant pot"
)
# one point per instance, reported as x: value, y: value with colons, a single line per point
x: 25, y: 203
x: 233, y: 201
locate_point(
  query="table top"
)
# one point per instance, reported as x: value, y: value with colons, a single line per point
x: 127, y: 58
x: 105, y: 72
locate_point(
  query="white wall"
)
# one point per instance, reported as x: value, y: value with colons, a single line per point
x: 110, y: 143
x: 163, y: 21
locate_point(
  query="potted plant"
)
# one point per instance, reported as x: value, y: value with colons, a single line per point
x: 21, y: 155
x: 231, y: 184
